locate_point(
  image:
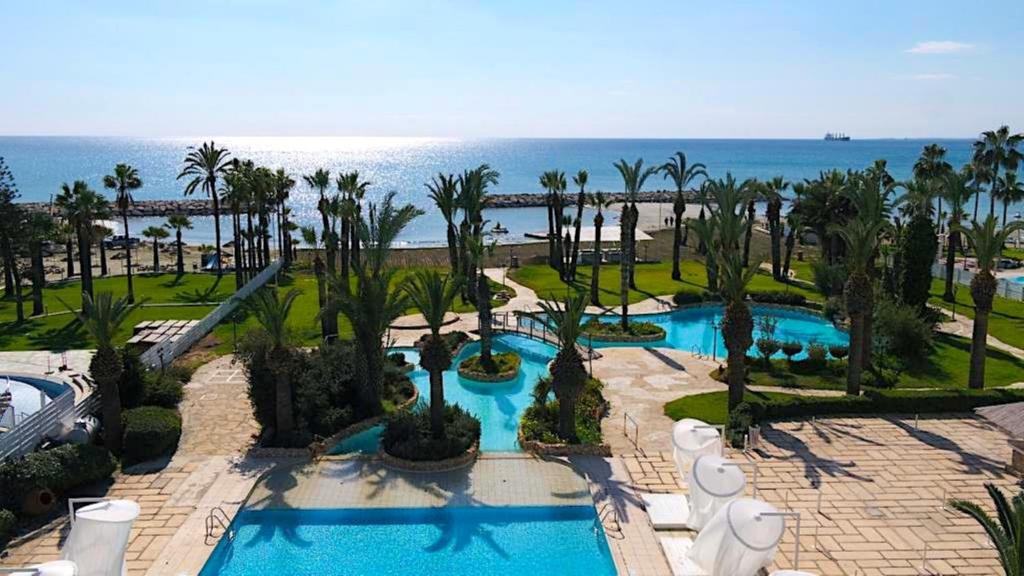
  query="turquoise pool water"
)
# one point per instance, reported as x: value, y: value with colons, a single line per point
x: 453, y: 541
x: 692, y: 329
x: 498, y: 406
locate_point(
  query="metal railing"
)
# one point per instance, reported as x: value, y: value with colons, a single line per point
x: 27, y: 433
x: 217, y: 517
x: 518, y: 323
x: 1004, y: 288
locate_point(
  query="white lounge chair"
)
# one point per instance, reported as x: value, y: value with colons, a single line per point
x: 740, y: 539
x: 691, y: 439
x: 713, y: 482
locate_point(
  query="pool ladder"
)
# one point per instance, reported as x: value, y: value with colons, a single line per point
x: 217, y: 516
x: 608, y: 516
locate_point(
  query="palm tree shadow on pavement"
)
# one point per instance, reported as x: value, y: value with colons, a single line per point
x: 616, y: 489
x: 815, y: 467
x: 973, y: 463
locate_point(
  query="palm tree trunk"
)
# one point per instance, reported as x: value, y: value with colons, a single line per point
x: 736, y: 363
x: 250, y: 242
x: 595, y: 275
x: 236, y: 225
x: 103, y: 257
x: 854, y: 362
x: 868, y: 337
x: 775, y: 230
x: 328, y: 240
x: 483, y: 305
x: 181, y: 255
x: 128, y: 257
x: 321, y: 290
x: 677, y: 240
x: 453, y: 248
x: 979, y: 348
x: 85, y: 260
x: 69, y: 251
x: 954, y: 244
x: 750, y: 232
x: 156, y: 255
x: 216, y: 229
x: 8, y: 269
x: 345, y: 257
x: 790, y: 243
x: 35, y: 249
x: 576, y: 239
x: 634, y: 219
x: 354, y: 248
x: 567, y: 418
x: 436, y: 403
x: 551, y: 232
x: 110, y: 396
x: 624, y: 268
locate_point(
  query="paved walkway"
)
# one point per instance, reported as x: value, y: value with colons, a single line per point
x: 882, y: 481
x: 208, y: 470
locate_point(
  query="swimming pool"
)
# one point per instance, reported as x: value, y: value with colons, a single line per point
x: 28, y: 396
x: 497, y: 405
x: 695, y: 329
x: 451, y: 540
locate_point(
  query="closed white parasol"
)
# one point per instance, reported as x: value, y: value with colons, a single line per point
x: 713, y: 482
x: 693, y: 438
x: 739, y: 540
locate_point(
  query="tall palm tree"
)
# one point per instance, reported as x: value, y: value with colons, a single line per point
x: 156, y: 234
x: 554, y: 182
x: 283, y: 185
x: 102, y: 318
x: 706, y: 230
x: 997, y: 149
x: 477, y: 250
x: 101, y: 233
x: 39, y: 228
x: 1006, y: 531
x: 756, y: 194
x: 373, y: 305
x: 931, y: 168
x: 472, y: 199
x: 351, y: 187
x: 310, y: 238
x: 580, y: 179
x: 81, y: 207
x: 124, y: 181
x: 986, y: 239
x: 633, y: 178
x: 234, y: 191
x: 772, y: 191
x: 271, y: 312
x: 737, y: 321
x: 600, y: 202
x: 957, y: 190
x: 204, y: 166
x: 433, y: 295
x: 1011, y: 191
x: 682, y: 175
x: 443, y: 190
x: 862, y: 235
x: 65, y: 234
x: 179, y: 222
x: 568, y: 375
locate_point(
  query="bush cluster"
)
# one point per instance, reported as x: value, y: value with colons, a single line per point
x: 540, y: 421
x: 504, y: 362
x: 900, y: 332
x: 407, y: 435
x: 58, y: 470
x: 140, y: 386
x: 829, y: 279
x: 779, y: 297
x: 595, y: 327
x: 685, y: 297
x: 149, y: 432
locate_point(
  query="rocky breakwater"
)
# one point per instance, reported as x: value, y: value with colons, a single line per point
x: 149, y: 208
x: 530, y: 200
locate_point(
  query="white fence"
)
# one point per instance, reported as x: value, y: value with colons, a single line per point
x: 168, y: 350
x: 1004, y: 287
x: 49, y: 421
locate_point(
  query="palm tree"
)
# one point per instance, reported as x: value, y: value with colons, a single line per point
x: 1011, y: 191
x: 568, y: 375
x: 124, y: 181
x: 373, y: 305
x: 580, y: 179
x: 472, y: 199
x: 101, y: 233
x: 681, y: 174
x: 65, y: 234
x: 321, y: 181
x: 756, y: 194
x: 599, y: 201
x: 477, y: 250
x: 102, y: 318
x: 443, y: 190
x: 39, y: 228
x: 156, y: 233
x: 862, y: 235
x: 310, y: 238
x: 81, y: 207
x: 178, y: 222
x: 271, y: 312
x: 957, y: 190
x: 433, y: 295
x: 772, y: 191
x: 554, y: 182
x: 986, y: 239
x: 932, y: 168
x: 706, y: 229
x: 633, y: 178
x: 997, y: 149
x: 1007, y: 535
x: 234, y: 190
x: 352, y: 188
x: 204, y: 165
x: 737, y: 322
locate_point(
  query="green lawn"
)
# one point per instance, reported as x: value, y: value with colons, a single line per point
x: 1006, y: 322
x: 712, y: 407
x: 945, y: 367
x: 61, y: 332
x: 651, y: 280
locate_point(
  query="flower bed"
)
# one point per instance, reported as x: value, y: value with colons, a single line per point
x: 612, y: 332
x: 506, y: 367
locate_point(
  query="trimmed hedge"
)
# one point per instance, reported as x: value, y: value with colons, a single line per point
x: 686, y: 297
x: 149, y: 432
x: 778, y: 297
x: 163, y: 390
x: 612, y: 331
x: 58, y: 470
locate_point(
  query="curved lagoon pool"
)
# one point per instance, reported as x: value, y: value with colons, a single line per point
x: 498, y: 406
x: 28, y: 396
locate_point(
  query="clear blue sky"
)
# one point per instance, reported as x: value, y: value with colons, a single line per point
x: 512, y: 68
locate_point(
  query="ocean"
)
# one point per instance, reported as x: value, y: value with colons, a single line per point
x: 41, y: 164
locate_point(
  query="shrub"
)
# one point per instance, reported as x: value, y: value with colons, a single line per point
x: 253, y: 350
x: 767, y: 347
x: 740, y: 421
x: 596, y: 328
x: 816, y: 353
x: 838, y: 351
x: 792, y: 348
x: 397, y: 358
x: 917, y: 246
x: 180, y: 372
x: 540, y: 421
x: 829, y: 279
x: 900, y: 332
x: 132, y: 386
x: 685, y: 297
x: 149, y: 432
x: 7, y: 522
x: 162, y: 390
x: 503, y: 362
x: 324, y: 389
x: 834, y: 309
x: 57, y: 470
x: 779, y: 297
x: 407, y: 435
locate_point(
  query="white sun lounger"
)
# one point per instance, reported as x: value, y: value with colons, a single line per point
x: 677, y: 550
x: 55, y: 568
x: 667, y: 511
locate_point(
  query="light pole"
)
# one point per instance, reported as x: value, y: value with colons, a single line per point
x: 1016, y: 243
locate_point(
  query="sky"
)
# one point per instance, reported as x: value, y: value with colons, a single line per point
x: 516, y: 68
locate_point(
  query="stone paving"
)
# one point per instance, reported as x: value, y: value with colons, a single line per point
x: 882, y: 483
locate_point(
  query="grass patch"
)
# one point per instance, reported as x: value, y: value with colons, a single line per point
x: 651, y: 280
x: 1006, y: 321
